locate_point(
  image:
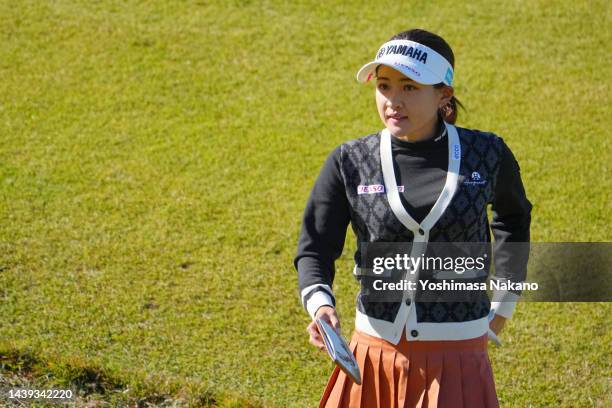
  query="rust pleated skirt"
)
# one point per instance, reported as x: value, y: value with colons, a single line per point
x: 415, y: 374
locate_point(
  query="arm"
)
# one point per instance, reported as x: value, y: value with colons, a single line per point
x: 511, y: 232
x: 322, y: 236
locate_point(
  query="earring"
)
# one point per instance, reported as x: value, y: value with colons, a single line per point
x: 446, y: 109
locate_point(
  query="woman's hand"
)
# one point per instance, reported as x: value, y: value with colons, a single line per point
x: 328, y: 314
x: 497, y: 324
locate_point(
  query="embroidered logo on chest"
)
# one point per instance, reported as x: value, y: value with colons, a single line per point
x: 475, y: 179
x: 375, y: 189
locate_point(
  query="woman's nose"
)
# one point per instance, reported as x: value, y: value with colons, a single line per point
x: 394, y: 103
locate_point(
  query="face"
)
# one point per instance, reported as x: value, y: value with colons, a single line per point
x: 408, y: 109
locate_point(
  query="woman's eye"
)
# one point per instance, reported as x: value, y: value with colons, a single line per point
x: 382, y: 87
x: 409, y: 88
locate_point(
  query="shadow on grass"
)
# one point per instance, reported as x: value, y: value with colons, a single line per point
x: 93, y: 386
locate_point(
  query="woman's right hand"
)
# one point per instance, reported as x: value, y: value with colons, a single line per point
x: 327, y: 313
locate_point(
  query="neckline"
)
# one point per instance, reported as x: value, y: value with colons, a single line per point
x: 421, y: 231
x: 438, y: 141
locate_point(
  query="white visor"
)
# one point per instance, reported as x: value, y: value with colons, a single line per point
x: 417, y: 61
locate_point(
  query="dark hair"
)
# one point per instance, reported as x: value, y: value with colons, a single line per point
x: 438, y: 44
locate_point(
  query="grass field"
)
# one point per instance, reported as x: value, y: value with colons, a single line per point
x: 156, y: 158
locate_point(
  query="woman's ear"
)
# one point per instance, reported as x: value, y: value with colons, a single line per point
x: 448, y: 105
x: 447, y: 93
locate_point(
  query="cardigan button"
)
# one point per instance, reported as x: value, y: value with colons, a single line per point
x: 408, y: 302
x: 414, y: 333
x: 421, y: 231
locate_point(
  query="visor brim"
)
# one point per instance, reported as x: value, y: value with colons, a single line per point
x: 411, y: 71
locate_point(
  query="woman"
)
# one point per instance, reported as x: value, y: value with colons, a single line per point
x: 419, y: 180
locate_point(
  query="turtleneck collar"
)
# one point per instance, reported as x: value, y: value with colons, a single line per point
x: 440, y: 140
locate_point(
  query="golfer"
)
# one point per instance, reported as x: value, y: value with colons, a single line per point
x: 419, y: 180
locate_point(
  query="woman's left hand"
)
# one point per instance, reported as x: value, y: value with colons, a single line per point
x: 497, y: 324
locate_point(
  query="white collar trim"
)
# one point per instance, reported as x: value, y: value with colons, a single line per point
x: 421, y: 231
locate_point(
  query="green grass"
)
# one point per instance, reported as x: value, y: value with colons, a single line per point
x: 156, y: 159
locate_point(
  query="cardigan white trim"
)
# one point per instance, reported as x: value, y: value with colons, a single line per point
x: 420, y: 231
x: 452, y: 175
x: 447, y: 330
x: 405, y: 322
x: 390, y: 331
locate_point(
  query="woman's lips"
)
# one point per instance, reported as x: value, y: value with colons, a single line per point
x: 395, y: 119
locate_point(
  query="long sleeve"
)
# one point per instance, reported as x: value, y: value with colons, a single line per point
x: 511, y: 232
x: 322, y: 236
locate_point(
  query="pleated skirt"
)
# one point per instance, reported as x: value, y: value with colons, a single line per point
x: 415, y: 374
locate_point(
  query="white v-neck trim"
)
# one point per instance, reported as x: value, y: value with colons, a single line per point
x: 421, y: 231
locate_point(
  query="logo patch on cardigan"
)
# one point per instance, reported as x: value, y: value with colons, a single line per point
x: 375, y: 189
x: 475, y: 179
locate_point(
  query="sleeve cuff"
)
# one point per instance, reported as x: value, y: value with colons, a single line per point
x: 317, y: 300
x: 315, y: 296
x: 503, y: 303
